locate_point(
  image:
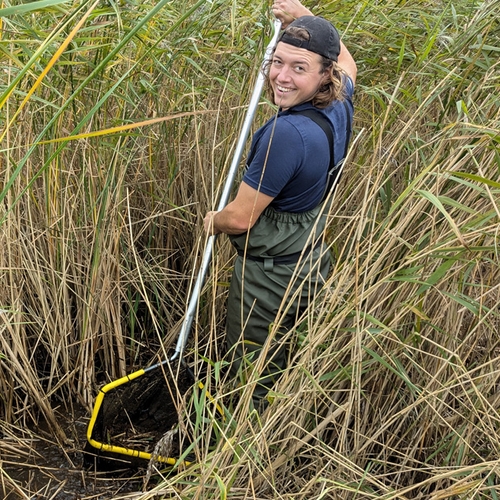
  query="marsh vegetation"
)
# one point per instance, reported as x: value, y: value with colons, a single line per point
x: 118, y: 123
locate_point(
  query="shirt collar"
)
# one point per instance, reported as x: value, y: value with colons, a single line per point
x: 299, y: 107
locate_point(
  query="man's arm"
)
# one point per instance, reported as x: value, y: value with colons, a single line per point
x: 347, y: 62
x: 288, y: 10
x: 240, y: 215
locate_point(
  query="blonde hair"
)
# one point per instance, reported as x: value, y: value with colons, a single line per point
x: 332, y: 90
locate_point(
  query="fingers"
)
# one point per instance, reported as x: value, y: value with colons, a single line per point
x: 208, y: 223
x: 280, y: 11
x: 288, y: 10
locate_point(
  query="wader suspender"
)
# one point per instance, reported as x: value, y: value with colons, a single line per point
x: 320, y: 120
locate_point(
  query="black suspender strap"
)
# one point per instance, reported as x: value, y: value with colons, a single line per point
x: 321, y: 120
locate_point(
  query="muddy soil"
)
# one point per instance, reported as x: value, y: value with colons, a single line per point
x: 33, y: 466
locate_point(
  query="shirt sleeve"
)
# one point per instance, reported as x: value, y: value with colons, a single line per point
x: 349, y: 86
x: 277, y: 158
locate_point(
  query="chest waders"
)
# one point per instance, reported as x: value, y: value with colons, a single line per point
x: 278, y: 257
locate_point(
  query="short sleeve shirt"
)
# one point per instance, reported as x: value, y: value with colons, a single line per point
x: 290, y: 155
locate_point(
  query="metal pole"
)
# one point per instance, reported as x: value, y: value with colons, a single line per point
x: 233, y: 169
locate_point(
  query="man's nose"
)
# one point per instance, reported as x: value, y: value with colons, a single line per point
x: 284, y: 73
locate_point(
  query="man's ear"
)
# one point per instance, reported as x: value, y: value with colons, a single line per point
x: 326, y: 76
x: 325, y: 79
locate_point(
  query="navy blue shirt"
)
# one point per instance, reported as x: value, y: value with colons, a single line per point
x: 290, y: 155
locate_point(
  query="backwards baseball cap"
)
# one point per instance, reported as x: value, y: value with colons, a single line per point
x: 324, y: 39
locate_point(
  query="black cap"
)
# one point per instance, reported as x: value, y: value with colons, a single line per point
x: 324, y: 39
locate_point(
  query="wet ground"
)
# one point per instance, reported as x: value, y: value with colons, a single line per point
x: 33, y: 466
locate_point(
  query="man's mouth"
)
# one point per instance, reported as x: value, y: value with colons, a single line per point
x: 283, y: 89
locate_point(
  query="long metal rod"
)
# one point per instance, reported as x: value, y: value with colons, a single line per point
x: 233, y: 169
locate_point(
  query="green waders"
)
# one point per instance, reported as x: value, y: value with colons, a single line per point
x: 267, y: 274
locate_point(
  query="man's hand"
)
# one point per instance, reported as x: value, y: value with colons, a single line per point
x: 289, y: 10
x: 208, y: 224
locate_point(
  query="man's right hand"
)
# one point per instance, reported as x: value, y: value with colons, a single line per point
x: 289, y: 10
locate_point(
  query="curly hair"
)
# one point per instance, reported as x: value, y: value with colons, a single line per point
x: 332, y: 90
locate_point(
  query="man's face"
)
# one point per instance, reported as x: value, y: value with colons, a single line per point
x: 295, y: 75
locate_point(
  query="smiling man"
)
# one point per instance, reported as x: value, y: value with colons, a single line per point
x: 275, y: 220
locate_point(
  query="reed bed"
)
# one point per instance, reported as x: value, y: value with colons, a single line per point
x: 119, y: 121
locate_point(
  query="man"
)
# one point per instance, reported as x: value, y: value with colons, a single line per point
x: 275, y: 220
